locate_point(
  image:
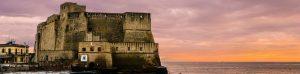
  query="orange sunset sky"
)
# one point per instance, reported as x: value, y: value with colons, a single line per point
x: 186, y: 30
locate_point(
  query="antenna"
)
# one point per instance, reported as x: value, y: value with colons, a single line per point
x: 24, y: 43
x: 11, y: 39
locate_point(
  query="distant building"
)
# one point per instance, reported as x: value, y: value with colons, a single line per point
x: 14, y: 53
x: 109, y: 40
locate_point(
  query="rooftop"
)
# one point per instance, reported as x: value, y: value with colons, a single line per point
x: 13, y: 45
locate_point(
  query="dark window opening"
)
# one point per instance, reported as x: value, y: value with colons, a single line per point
x: 99, y: 48
x: 67, y: 28
x: 16, y: 59
x: 92, y: 49
x: 46, y: 58
x: 9, y: 51
x: 3, y: 50
x: 21, y: 51
x: 90, y: 29
x: 16, y: 51
x: 141, y: 48
x: 117, y: 48
x: 128, y: 48
x: 83, y: 49
x: 83, y: 58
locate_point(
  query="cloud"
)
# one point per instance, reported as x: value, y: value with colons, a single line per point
x: 20, y: 28
x: 14, y: 20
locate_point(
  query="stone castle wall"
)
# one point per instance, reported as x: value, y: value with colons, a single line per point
x: 135, y: 55
x: 107, y: 26
x: 52, y: 55
x: 124, y: 39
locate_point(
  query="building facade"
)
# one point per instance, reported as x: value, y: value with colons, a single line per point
x: 11, y: 53
x: 110, y: 40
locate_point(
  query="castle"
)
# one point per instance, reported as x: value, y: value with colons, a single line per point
x: 110, y: 40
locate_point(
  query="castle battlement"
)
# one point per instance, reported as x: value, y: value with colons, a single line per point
x: 52, y: 18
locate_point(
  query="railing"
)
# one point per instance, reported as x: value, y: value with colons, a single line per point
x: 5, y: 56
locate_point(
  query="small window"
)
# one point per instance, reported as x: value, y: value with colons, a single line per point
x: 16, y: 51
x: 128, y: 48
x: 21, y: 59
x: 3, y: 50
x: 67, y: 28
x: 9, y: 51
x: 90, y: 29
x: 117, y: 48
x: 141, y: 48
x: 92, y: 49
x: 21, y: 51
x: 46, y: 58
x: 83, y: 49
x: 99, y: 48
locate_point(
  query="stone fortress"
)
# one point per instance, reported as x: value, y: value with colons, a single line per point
x: 110, y: 40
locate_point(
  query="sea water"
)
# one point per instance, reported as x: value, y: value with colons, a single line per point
x: 232, y: 68
x: 215, y: 68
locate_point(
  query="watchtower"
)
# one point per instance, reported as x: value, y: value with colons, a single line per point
x: 71, y: 7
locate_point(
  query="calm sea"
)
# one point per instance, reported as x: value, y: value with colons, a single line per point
x: 232, y: 68
x: 217, y: 68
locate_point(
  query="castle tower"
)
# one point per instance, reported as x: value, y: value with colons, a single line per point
x: 71, y: 7
x: 137, y: 27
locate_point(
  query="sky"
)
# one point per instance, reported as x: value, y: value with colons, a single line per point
x: 186, y: 30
